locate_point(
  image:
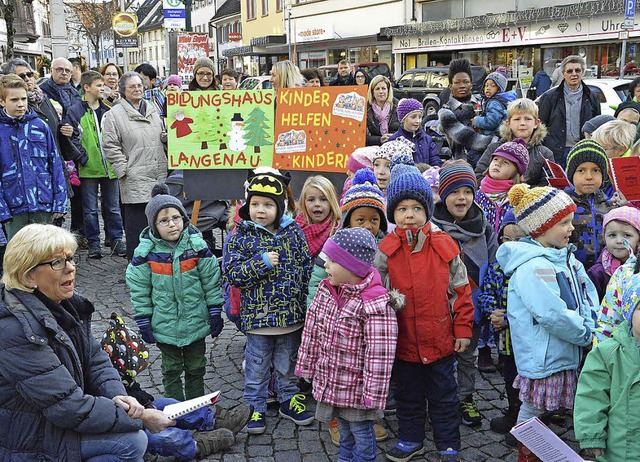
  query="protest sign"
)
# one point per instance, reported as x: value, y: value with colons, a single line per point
x: 190, y: 47
x: 318, y: 128
x: 220, y: 129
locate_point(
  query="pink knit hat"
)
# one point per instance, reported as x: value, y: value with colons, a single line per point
x: 362, y: 158
x: 626, y: 214
x: 516, y: 152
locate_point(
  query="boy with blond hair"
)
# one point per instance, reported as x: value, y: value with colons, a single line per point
x: 522, y: 122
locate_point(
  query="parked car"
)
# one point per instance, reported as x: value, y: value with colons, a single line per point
x: 610, y: 92
x: 426, y: 83
x: 330, y: 71
x: 262, y: 82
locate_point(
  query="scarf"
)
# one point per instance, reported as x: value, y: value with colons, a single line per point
x: 573, y: 105
x: 66, y: 95
x: 315, y: 234
x: 490, y: 186
x: 382, y: 114
x: 609, y: 262
x: 35, y: 97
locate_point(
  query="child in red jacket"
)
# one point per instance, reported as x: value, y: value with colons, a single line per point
x: 435, y: 322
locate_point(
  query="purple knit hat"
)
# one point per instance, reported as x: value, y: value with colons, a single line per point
x: 173, y: 79
x: 353, y: 249
x: 515, y: 151
x: 407, y: 106
x: 626, y: 214
x: 362, y: 158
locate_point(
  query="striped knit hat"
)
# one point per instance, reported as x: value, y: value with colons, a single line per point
x: 456, y: 174
x: 626, y: 214
x: 539, y: 209
x: 587, y: 151
x: 364, y: 192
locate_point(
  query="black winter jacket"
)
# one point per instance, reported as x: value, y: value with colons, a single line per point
x: 51, y: 393
x: 553, y: 114
x: 373, y: 126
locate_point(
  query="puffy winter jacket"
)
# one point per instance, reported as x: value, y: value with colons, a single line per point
x: 605, y: 413
x: 175, y: 286
x: 373, y: 125
x: 271, y: 296
x: 534, y: 175
x: 552, y: 307
x: 553, y: 114
x: 438, y: 309
x: 32, y: 176
x: 495, y: 112
x: 426, y: 151
x: 86, y: 137
x: 131, y: 144
x: 51, y: 392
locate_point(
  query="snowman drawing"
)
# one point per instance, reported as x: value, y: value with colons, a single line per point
x: 236, y: 135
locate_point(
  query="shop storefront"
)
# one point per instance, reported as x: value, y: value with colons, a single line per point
x: 260, y: 56
x: 521, y: 41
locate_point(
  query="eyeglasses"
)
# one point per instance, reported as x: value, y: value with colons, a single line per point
x: 571, y: 71
x: 62, y: 70
x: 177, y: 220
x: 206, y: 75
x: 61, y: 263
x: 360, y: 77
x: 26, y: 74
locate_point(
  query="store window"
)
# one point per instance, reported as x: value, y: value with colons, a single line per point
x: 311, y: 59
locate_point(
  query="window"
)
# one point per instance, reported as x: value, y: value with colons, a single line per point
x: 251, y: 9
x: 265, y: 7
x: 279, y: 5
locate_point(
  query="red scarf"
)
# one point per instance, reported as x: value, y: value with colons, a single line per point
x: 315, y: 234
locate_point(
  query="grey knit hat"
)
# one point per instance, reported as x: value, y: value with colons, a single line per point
x: 203, y: 62
x: 161, y: 199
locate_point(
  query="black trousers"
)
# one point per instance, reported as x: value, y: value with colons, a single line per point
x: 135, y: 222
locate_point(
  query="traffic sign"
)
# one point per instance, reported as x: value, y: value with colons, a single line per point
x: 623, y: 35
x: 628, y: 24
x: 630, y: 8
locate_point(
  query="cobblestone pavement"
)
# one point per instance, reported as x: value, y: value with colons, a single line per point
x: 102, y: 282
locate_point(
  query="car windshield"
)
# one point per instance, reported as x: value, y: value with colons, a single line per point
x: 374, y: 70
x: 622, y: 91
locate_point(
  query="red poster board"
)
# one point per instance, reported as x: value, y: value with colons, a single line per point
x: 625, y: 175
x: 317, y: 128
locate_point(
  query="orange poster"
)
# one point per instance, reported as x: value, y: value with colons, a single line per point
x: 318, y: 128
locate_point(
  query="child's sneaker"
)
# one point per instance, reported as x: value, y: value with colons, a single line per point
x: 470, y: 415
x: 294, y: 410
x: 450, y: 455
x: 404, y: 451
x: 381, y: 433
x: 256, y: 425
x: 334, y: 432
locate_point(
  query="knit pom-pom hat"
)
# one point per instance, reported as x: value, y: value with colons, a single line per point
x: 353, y: 249
x: 364, y: 192
x: 499, y: 78
x: 539, y: 209
x: 161, y: 199
x: 456, y: 174
x: 587, y: 151
x: 406, y: 106
x: 515, y: 151
x: 408, y: 183
x: 401, y: 158
x: 395, y: 147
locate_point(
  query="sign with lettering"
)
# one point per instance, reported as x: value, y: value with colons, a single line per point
x: 220, y: 129
x: 312, y: 34
x: 191, y: 46
x: 318, y: 128
x: 175, y: 16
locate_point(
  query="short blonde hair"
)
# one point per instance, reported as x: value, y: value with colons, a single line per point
x: 522, y: 106
x: 374, y: 83
x: 325, y: 186
x: 615, y: 133
x: 11, y: 82
x: 287, y: 75
x: 30, y: 246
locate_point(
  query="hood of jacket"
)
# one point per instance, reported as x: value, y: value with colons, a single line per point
x: 471, y: 227
x: 511, y: 255
x: 506, y: 96
x: 537, y: 136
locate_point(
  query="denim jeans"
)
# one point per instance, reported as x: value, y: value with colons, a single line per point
x: 435, y: 384
x: 113, y: 447
x: 527, y: 411
x: 261, y: 353
x: 111, y: 199
x: 357, y: 441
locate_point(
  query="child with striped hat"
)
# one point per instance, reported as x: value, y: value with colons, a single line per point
x: 551, y: 302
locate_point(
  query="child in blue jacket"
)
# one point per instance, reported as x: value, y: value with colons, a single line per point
x: 410, y: 117
x: 494, y: 107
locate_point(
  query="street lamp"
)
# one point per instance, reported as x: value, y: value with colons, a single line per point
x: 287, y: 7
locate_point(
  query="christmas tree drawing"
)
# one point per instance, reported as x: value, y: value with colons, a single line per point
x: 206, y: 132
x: 257, y: 130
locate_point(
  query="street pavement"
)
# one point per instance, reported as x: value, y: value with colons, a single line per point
x: 103, y: 283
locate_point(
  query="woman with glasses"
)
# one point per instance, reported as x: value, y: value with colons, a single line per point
x: 111, y: 73
x: 361, y: 77
x: 60, y: 399
x: 203, y: 76
x: 132, y: 143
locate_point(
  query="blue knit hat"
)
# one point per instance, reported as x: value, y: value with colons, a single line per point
x: 408, y: 183
x: 456, y: 174
x: 364, y: 192
x: 401, y: 158
x: 509, y: 218
x: 499, y: 79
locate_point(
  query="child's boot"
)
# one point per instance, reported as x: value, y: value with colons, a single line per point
x: 334, y: 432
x: 505, y: 423
x: 234, y: 419
x: 485, y: 361
x: 213, y: 441
x: 404, y: 451
x: 525, y: 455
x: 381, y: 433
